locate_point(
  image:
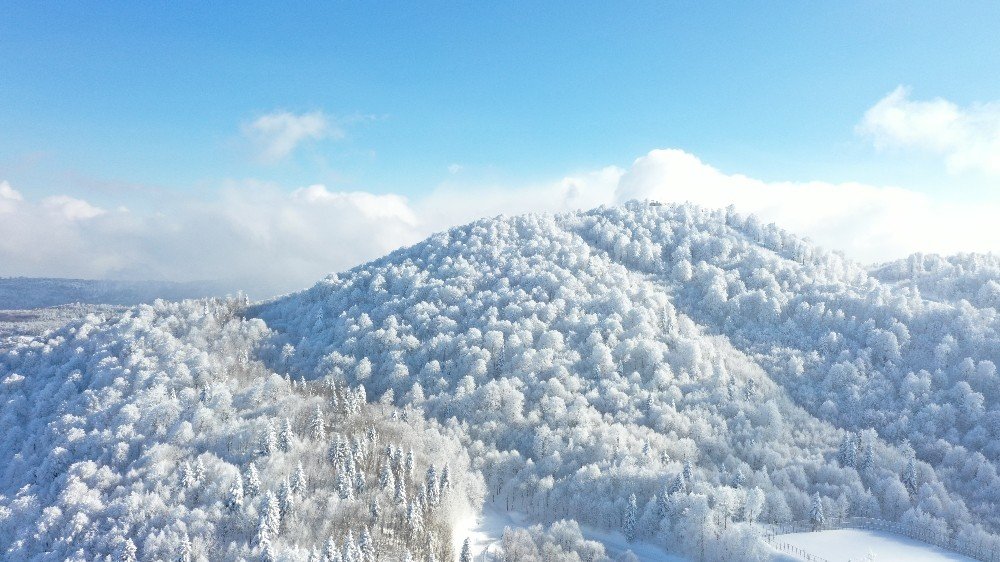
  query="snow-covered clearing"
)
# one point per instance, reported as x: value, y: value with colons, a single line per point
x: 855, y: 544
x: 486, y: 531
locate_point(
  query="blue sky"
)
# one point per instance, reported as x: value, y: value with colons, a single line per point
x: 136, y: 103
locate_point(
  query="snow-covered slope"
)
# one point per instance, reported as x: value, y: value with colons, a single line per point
x: 590, y: 356
x: 157, y: 435
x: 666, y: 372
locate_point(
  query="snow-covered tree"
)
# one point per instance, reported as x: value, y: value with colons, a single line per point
x: 816, y: 516
x: 631, y: 519
x: 317, y: 425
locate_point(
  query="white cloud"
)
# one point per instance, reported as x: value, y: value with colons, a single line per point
x: 269, y: 239
x: 276, y: 135
x: 868, y: 223
x: 9, y: 193
x: 968, y: 138
x: 71, y: 207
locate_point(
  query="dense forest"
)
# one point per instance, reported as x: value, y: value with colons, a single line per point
x: 674, y: 373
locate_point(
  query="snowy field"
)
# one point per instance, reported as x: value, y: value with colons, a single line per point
x: 486, y: 531
x: 855, y: 544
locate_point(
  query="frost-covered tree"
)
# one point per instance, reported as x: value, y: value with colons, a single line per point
x: 185, y: 550
x: 299, y: 480
x: 271, y: 514
x: 269, y: 439
x: 317, y: 425
x: 234, y: 499
x: 631, y: 519
x: 910, y: 478
x: 367, y: 546
x: 386, y: 480
x: 285, y: 436
x: 330, y: 551
x: 127, y: 552
x: 848, y: 451
x: 345, y: 488
x: 466, y: 554
x: 252, y: 480
x: 816, y: 516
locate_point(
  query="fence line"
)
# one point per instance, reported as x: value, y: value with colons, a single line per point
x: 939, y: 539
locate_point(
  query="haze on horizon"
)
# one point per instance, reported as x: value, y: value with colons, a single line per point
x: 269, y: 147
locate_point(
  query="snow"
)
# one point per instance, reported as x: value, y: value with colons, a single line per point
x: 485, y: 532
x: 855, y: 544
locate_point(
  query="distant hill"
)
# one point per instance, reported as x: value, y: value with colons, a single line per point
x: 19, y: 293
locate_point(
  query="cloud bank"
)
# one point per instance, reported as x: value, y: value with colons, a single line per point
x: 268, y: 239
x: 968, y: 138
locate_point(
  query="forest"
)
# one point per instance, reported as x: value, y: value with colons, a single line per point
x: 677, y: 374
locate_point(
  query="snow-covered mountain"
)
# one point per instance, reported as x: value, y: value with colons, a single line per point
x: 667, y: 371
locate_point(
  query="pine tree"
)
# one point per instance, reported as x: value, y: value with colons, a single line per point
x: 330, y: 551
x: 848, y: 454
x: 187, y: 475
x: 663, y: 502
x: 432, y: 486
x: 263, y: 532
x: 268, y: 441
x: 910, y: 478
x: 286, y: 498
x: 299, y: 481
x: 127, y: 551
x: 374, y: 512
x: 679, y: 485
x: 367, y: 546
x: 334, y: 402
x: 331, y: 453
x: 199, y: 471
x: 688, y: 471
x: 431, y: 550
x: 349, y: 548
x: 359, y: 482
x: 345, y: 488
x: 253, y: 480
x: 466, y: 555
x: 816, y: 516
x: 408, y: 468
x: 185, y: 550
x: 631, y: 520
x: 385, y: 478
x: 400, y: 492
x: 234, y: 499
x: 414, y: 521
x: 445, y: 479
x: 271, y: 514
x: 267, y: 552
x: 738, y: 478
x: 867, y: 455
x: 317, y: 426
x: 285, y: 436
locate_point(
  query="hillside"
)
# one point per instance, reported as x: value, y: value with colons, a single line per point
x: 592, y: 355
x: 670, y: 372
